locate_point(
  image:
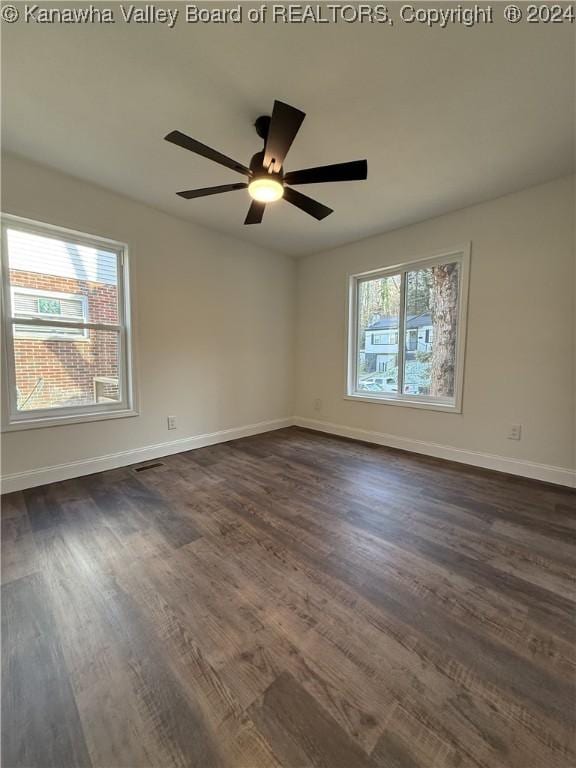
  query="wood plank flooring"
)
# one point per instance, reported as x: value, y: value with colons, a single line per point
x: 289, y: 600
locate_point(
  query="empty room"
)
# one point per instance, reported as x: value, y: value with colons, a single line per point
x: 288, y: 461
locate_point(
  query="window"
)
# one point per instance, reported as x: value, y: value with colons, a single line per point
x: 426, y: 301
x: 386, y: 338
x: 27, y: 303
x: 66, y: 312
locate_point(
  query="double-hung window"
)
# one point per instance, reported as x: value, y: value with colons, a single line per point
x: 421, y: 308
x: 67, y: 326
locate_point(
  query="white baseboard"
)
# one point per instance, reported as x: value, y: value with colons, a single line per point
x: 545, y: 472
x: 18, y: 481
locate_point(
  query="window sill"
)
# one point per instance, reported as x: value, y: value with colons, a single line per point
x: 30, y: 337
x: 406, y: 403
x: 61, y: 421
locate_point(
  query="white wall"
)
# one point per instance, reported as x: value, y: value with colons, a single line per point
x: 520, y: 343
x: 214, y: 326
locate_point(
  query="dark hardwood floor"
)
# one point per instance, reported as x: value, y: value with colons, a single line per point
x: 290, y: 599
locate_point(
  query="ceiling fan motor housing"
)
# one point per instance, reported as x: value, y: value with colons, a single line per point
x: 257, y: 168
x: 262, y: 126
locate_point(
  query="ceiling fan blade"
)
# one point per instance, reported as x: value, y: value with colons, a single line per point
x: 176, y: 137
x: 255, y: 213
x: 284, y: 125
x: 306, y: 204
x: 188, y: 194
x: 357, y: 170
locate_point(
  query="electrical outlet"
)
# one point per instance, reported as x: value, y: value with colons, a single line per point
x: 171, y: 422
x: 515, y: 432
x: 317, y: 404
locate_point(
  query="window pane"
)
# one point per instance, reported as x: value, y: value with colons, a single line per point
x: 378, y: 316
x: 431, y: 329
x: 61, y: 280
x: 59, y: 372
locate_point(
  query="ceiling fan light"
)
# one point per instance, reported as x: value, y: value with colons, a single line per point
x: 265, y: 189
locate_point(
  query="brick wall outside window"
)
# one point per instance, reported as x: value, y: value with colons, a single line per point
x: 61, y: 371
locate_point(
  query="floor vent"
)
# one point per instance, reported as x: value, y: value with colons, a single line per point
x: 148, y: 466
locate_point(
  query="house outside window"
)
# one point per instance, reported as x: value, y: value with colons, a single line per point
x: 423, y: 303
x: 67, y: 326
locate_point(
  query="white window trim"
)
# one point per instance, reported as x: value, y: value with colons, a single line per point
x: 460, y: 254
x: 12, y: 419
x: 52, y: 295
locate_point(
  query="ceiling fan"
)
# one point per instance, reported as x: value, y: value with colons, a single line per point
x: 267, y: 181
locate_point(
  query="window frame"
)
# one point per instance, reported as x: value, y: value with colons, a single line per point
x: 461, y: 255
x: 12, y: 419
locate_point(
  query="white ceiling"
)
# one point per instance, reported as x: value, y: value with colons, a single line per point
x: 446, y: 118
